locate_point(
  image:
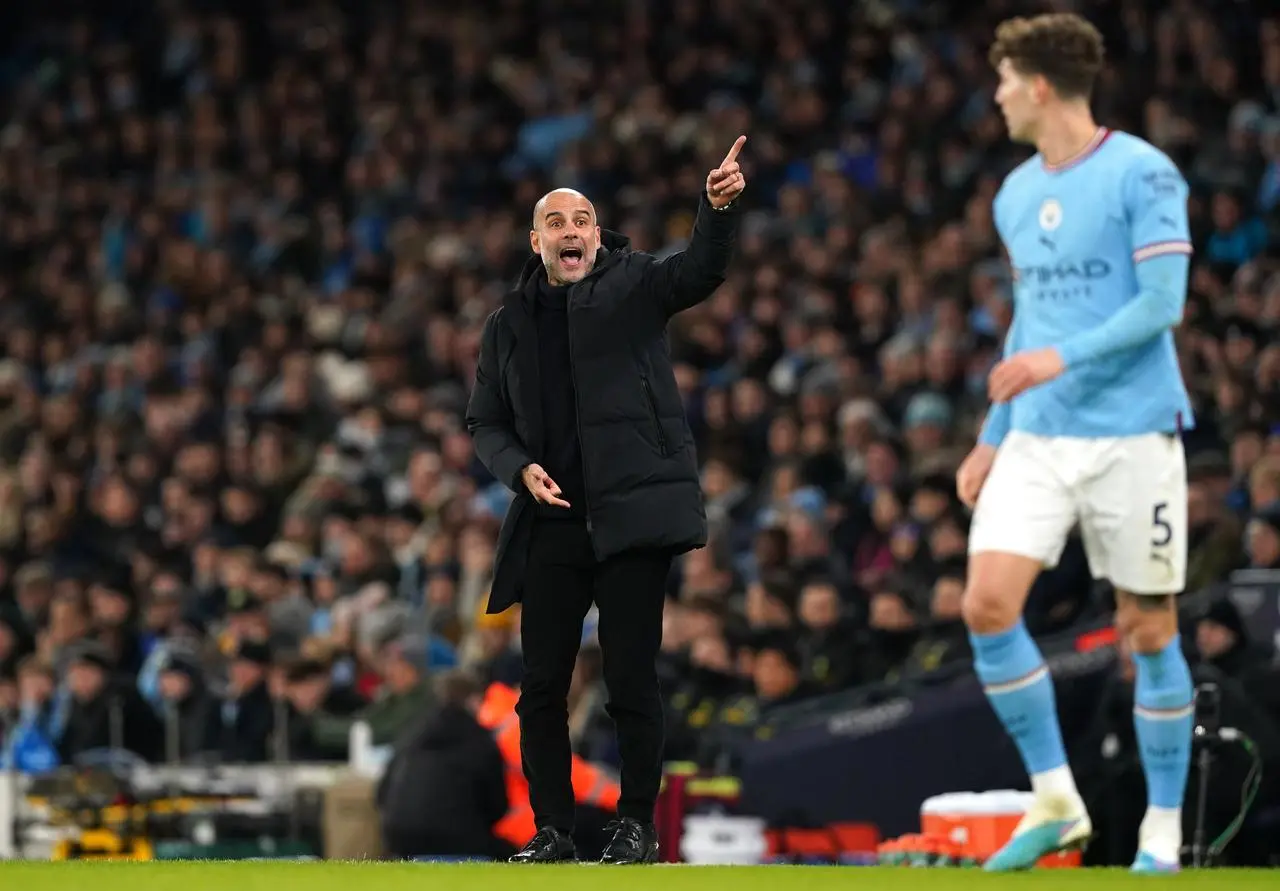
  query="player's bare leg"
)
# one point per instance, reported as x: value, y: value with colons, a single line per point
x: 1163, y: 715
x: 1017, y: 683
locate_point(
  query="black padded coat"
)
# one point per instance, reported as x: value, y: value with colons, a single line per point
x: 639, y: 467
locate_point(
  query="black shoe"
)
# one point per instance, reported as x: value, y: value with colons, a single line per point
x: 548, y: 846
x: 633, y: 842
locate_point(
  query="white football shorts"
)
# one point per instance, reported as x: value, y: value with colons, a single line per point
x: 1129, y: 495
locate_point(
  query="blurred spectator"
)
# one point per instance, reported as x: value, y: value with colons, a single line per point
x: 1262, y: 538
x: 1214, y: 531
x: 776, y: 678
x: 1222, y: 642
x: 491, y: 650
x: 243, y: 725
x: 451, y: 761
x: 104, y: 713
x: 404, y: 695
x: 944, y: 639
x: 189, y: 710
x: 310, y: 691
x: 828, y: 659
x: 35, y: 720
x: 893, y: 631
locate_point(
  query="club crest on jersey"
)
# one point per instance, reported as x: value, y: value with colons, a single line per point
x: 1050, y: 214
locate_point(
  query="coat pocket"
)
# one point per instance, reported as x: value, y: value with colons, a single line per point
x: 653, y: 416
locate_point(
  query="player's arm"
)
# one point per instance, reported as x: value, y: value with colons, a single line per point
x: 1000, y: 415
x: 1155, y: 203
x: 995, y: 427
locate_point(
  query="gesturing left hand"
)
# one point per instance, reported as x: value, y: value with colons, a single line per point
x: 726, y: 182
x: 1022, y: 371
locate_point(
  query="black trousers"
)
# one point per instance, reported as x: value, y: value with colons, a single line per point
x: 562, y: 580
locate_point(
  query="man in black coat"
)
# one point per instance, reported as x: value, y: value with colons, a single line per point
x: 244, y: 724
x: 445, y: 788
x: 576, y: 408
x: 188, y: 708
x: 106, y: 712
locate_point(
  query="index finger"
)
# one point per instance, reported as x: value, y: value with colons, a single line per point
x: 733, y: 152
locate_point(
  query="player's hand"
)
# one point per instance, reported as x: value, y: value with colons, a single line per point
x: 726, y: 182
x: 1022, y: 371
x: 542, y: 487
x: 973, y: 472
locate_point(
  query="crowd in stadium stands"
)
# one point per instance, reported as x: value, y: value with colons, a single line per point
x: 245, y: 257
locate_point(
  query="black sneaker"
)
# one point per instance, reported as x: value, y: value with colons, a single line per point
x: 633, y: 842
x: 548, y: 846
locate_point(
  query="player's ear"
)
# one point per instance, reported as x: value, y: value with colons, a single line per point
x: 534, y: 241
x: 1041, y: 89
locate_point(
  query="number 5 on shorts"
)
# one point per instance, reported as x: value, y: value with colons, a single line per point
x: 1162, y: 532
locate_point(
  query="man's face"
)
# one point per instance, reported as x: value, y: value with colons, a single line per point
x: 1213, y: 639
x: 924, y: 437
x: 399, y: 532
x: 947, y: 595
x: 175, y: 686
x: 110, y: 608
x: 1263, y: 543
x: 34, y: 596
x: 775, y: 677
x: 565, y: 235
x: 1016, y: 96
x: 890, y: 613
x: 85, y: 680
x: 34, y: 687
x: 307, y: 694
x: 245, y: 675
x: 399, y: 673
x: 1246, y: 451
x: 819, y: 606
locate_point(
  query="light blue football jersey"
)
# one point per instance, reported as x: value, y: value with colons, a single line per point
x: 1100, y: 248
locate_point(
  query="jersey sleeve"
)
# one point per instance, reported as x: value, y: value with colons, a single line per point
x: 1155, y: 203
x: 1154, y: 196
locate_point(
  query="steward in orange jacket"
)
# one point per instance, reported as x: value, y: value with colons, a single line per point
x: 591, y: 786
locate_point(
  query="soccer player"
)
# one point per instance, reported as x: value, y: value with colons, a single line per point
x: 1088, y: 404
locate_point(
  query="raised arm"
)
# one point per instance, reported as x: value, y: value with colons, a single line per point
x: 689, y: 277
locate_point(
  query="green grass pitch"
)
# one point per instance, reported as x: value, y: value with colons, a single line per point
x: 345, y: 876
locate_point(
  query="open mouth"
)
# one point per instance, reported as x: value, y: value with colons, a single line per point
x: 571, y: 257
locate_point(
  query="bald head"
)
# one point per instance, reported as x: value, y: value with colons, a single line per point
x: 557, y: 198
x: 565, y: 235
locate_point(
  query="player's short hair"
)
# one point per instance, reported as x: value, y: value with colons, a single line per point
x: 1063, y: 48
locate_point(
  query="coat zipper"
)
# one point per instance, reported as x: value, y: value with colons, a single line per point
x: 577, y: 404
x: 653, y: 411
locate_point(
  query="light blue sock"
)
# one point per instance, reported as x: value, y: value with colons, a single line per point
x: 1163, y: 716
x: 1018, y: 684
